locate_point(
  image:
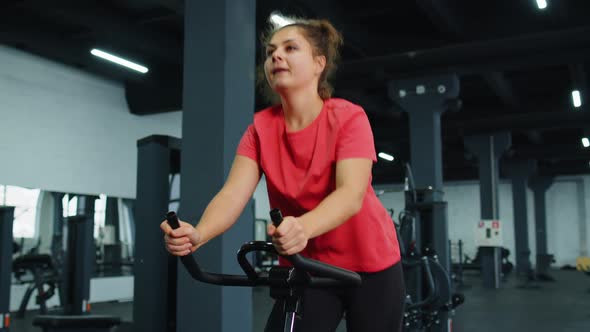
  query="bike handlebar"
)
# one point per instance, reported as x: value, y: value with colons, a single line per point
x: 325, y: 275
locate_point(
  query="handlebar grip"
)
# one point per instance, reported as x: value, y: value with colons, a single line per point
x: 276, y: 216
x: 172, y: 219
x: 314, y: 266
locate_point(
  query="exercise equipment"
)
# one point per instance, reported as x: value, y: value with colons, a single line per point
x: 262, y: 260
x: 6, y: 221
x: 475, y: 264
x: 90, y: 323
x: 457, y: 265
x: 430, y: 300
x: 79, y: 261
x: 44, y: 280
x: 438, y: 300
x: 286, y: 283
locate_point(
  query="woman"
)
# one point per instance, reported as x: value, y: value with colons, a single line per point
x: 316, y: 153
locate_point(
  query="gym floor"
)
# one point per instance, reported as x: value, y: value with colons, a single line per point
x: 560, y: 306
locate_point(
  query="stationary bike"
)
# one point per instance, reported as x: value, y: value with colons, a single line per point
x: 286, y: 283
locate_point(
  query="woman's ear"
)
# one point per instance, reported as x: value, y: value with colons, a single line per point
x: 320, y: 62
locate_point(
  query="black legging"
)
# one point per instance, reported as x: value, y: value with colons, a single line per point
x: 376, y: 306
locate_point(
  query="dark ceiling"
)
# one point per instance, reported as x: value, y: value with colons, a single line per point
x: 517, y: 64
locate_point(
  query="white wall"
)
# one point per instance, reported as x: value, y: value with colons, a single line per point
x: 65, y: 130
x: 567, y: 201
x: 567, y: 222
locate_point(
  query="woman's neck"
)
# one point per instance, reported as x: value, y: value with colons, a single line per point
x: 301, y: 109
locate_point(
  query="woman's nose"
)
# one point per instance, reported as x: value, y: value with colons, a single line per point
x: 276, y: 55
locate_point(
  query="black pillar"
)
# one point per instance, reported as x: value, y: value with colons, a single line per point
x: 488, y: 149
x: 80, y: 257
x: 112, y: 250
x: 425, y: 99
x: 57, y: 240
x: 6, y: 220
x: 539, y: 186
x: 218, y: 105
x: 520, y: 172
x: 154, y: 289
x: 58, y: 225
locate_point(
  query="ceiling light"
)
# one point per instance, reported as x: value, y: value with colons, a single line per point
x: 279, y: 20
x: 585, y: 142
x: 576, y: 98
x: 542, y: 4
x: 119, y: 61
x: 385, y: 156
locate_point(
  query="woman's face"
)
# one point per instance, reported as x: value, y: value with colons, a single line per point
x: 290, y: 63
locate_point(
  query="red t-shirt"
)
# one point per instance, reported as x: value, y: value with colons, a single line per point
x: 300, y: 171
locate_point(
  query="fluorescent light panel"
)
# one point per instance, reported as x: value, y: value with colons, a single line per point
x: 585, y: 142
x: 385, y: 156
x: 576, y: 98
x: 542, y: 4
x: 119, y: 61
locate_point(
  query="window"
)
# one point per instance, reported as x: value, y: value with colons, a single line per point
x: 100, y: 207
x: 24, y: 201
x: 70, y: 206
x: 2, y: 195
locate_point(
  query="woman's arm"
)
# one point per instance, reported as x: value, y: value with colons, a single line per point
x: 221, y: 213
x: 352, y: 179
x: 225, y: 208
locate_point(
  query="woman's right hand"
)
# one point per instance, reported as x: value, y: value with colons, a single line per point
x: 181, y: 241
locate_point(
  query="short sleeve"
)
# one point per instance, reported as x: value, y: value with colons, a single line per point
x: 355, y: 138
x: 249, y: 145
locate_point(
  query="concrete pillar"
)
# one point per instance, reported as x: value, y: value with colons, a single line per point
x: 488, y: 149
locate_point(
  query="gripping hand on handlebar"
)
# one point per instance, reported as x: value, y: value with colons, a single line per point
x: 181, y: 241
x: 290, y: 237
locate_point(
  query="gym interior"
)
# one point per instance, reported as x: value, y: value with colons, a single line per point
x: 479, y: 113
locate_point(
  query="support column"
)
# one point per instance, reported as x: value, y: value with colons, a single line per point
x: 488, y: 149
x: 80, y: 257
x: 57, y: 240
x: 154, y: 270
x: 539, y: 185
x: 582, y: 229
x: 6, y: 221
x: 425, y: 99
x: 112, y: 245
x: 57, y: 244
x: 520, y: 172
x: 218, y: 105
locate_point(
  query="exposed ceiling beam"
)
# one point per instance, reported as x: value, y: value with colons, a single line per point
x: 374, y: 103
x: 442, y: 16
x: 48, y: 45
x: 549, y: 152
x: 564, y: 168
x: 111, y: 29
x: 534, y: 118
x: 522, y: 121
x: 541, y: 49
x: 155, y: 92
x: 502, y: 88
x: 356, y: 35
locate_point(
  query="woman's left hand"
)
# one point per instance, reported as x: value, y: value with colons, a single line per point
x: 290, y: 237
